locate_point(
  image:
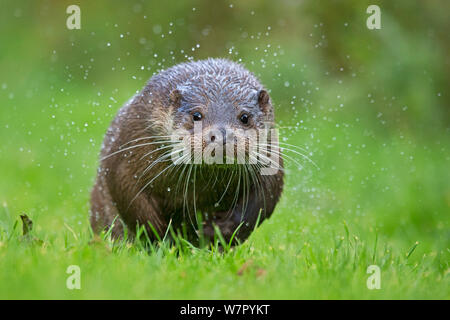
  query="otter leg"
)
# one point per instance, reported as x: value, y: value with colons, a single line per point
x: 143, y: 210
x: 107, y: 209
x: 103, y: 213
x: 228, y: 222
x: 250, y: 210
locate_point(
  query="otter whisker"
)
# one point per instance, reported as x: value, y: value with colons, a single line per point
x: 156, y: 150
x: 236, y: 194
x: 228, y: 185
x: 163, y: 158
x: 145, y: 138
x: 129, y: 148
x: 185, y: 203
x: 148, y: 183
x: 193, y: 194
x: 247, y: 178
x: 271, y: 161
x: 244, y: 191
x: 288, y: 149
x: 292, y: 145
x: 256, y: 180
x: 284, y: 155
x: 180, y: 178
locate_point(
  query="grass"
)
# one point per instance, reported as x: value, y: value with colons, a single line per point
x: 378, y: 132
x: 282, y: 261
x: 376, y: 206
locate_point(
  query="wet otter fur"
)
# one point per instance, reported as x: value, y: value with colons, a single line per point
x: 136, y: 183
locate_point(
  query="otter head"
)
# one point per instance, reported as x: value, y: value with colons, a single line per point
x: 223, y: 118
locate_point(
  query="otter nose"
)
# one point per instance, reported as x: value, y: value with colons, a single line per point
x: 218, y: 135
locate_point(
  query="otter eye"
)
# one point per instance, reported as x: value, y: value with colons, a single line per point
x: 197, y: 116
x: 244, y: 118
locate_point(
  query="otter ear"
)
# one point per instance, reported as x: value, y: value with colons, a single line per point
x: 175, y: 98
x: 263, y: 100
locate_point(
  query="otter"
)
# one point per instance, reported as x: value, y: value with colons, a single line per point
x: 139, y: 183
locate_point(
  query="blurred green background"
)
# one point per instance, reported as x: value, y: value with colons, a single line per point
x: 372, y: 108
